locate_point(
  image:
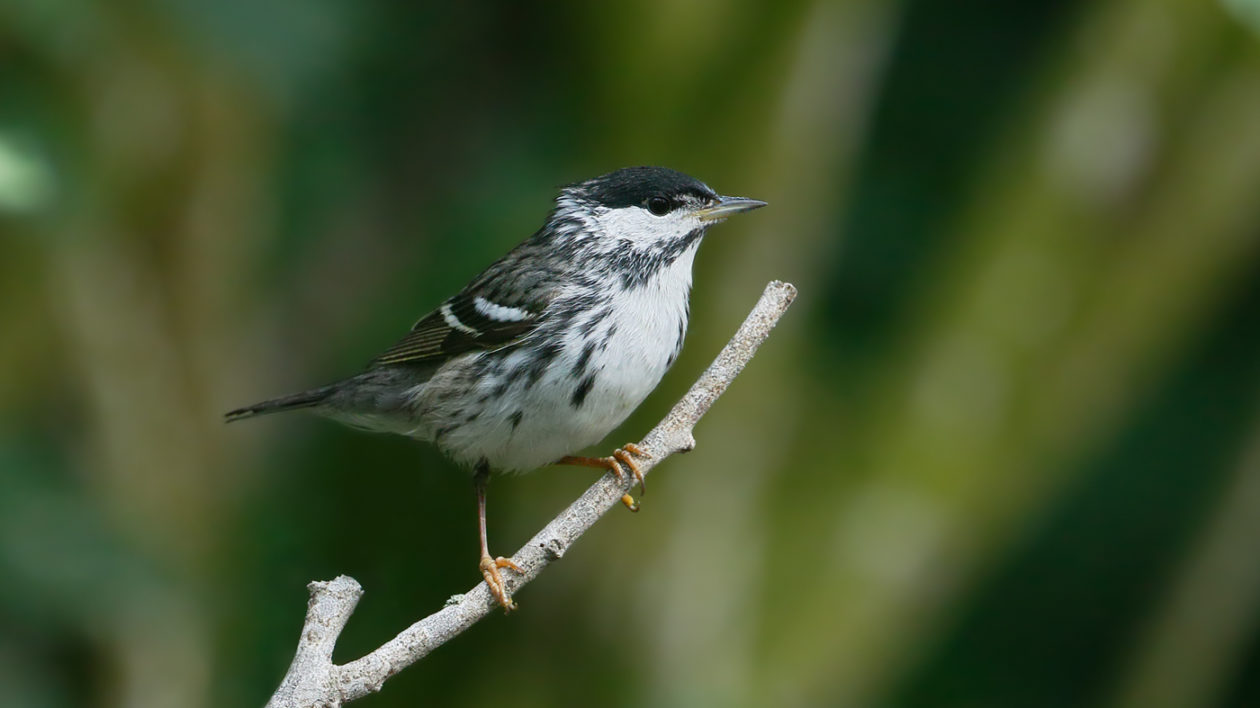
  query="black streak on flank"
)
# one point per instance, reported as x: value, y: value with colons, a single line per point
x: 515, y: 419
x: 592, y: 321
x: 538, y: 365
x: 584, y: 387
x: 584, y: 358
x: 678, y: 344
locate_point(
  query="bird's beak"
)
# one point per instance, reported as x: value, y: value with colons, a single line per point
x: 726, y: 206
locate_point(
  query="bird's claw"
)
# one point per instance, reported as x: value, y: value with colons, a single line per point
x: 494, y: 579
x: 624, y: 455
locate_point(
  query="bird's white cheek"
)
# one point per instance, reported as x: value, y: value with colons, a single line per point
x: 641, y: 227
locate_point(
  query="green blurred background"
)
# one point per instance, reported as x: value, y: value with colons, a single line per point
x: 1004, y: 450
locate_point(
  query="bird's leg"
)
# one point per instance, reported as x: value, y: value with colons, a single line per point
x: 624, y: 455
x: 490, y: 566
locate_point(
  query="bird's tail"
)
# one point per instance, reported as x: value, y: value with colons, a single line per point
x: 305, y: 399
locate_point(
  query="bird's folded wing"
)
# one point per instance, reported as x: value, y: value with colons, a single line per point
x: 463, y: 323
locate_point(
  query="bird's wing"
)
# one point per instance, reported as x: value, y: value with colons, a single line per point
x: 480, y: 317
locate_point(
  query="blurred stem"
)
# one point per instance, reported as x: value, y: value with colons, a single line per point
x: 1199, y: 636
x: 139, y: 275
x: 1060, y: 301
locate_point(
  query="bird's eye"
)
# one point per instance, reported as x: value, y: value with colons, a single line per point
x: 658, y: 205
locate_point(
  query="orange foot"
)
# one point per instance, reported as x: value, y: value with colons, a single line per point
x: 624, y: 455
x: 494, y: 579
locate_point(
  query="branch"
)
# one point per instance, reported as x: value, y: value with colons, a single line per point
x: 313, y: 681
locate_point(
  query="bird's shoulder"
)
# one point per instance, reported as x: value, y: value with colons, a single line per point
x: 499, y: 307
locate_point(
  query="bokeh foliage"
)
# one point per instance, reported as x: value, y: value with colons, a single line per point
x: 1005, y: 450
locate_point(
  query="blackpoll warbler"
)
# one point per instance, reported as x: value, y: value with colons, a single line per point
x: 551, y: 347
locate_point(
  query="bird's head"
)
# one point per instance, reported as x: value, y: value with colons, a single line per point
x: 646, y: 209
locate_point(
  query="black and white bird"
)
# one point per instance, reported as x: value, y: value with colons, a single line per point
x: 552, y: 346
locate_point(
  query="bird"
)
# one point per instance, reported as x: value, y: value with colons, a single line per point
x: 548, y: 349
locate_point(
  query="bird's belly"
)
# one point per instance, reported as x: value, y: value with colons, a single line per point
x: 598, y: 377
